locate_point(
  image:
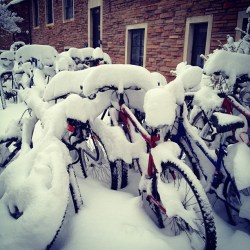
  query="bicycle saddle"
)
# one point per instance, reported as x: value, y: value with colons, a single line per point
x: 226, y: 122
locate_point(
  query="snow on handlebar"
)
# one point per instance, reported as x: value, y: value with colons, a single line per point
x: 118, y: 77
x: 106, y: 88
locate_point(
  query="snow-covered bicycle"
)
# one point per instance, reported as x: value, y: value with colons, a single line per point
x: 170, y: 191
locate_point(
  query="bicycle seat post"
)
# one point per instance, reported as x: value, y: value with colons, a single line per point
x: 121, y: 99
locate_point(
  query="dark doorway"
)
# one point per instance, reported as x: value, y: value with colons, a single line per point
x: 95, y: 15
x: 199, y: 43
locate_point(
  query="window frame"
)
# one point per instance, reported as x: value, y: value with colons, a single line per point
x: 189, y: 32
x: 241, y: 16
x: 46, y: 12
x: 64, y: 11
x: 36, y: 23
x: 128, y: 41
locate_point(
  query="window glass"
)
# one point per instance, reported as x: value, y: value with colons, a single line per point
x: 95, y: 12
x: 49, y: 11
x: 35, y: 13
x: 68, y: 9
x: 199, y: 43
x: 244, y: 26
x: 137, y: 46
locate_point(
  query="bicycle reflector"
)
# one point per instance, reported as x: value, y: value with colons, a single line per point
x: 71, y: 128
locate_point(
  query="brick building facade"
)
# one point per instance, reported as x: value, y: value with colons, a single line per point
x: 157, y: 34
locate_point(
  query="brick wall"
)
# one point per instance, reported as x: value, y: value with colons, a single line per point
x: 62, y: 34
x: 166, y: 20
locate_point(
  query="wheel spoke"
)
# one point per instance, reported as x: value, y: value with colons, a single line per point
x: 200, y: 226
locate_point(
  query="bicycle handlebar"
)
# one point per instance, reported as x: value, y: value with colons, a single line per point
x: 110, y: 87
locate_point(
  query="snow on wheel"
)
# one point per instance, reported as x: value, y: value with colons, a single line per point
x: 33, y: 197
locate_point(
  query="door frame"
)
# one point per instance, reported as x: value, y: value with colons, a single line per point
x: 91, y: 5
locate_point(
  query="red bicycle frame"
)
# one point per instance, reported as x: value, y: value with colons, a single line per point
x: 126, y: 115
x: 229, y: 103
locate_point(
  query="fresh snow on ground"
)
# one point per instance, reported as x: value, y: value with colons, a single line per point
x: 116, y: 219
x: 34, y: 187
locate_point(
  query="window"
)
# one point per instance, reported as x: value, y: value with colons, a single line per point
x: 49, y: 12
x: 197, y: 39
x: 242, y: 24
x: 95, y: 17
x: 35, y: 8
x: 68, y: 6
x: 199, y: 43
x: 136, y: 44
x: 95, y: 23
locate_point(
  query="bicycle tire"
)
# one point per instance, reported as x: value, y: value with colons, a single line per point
x: 113, y: 174
x: 11, y: 155
x: 189, y: 159
x: 233, y: 202
x: 124, y: 174
x: 19, y: 215
x: 203, y: 228
x: 50, y: 245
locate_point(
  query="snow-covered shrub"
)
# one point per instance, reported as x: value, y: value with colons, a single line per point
x: 231, y: 62
x: 9, y: 19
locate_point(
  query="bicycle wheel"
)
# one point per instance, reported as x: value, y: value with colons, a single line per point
x: 200, y: 121
x: 184, y: 207
x: 233, y: 202
x: 190, y: 159
x: 122, y: 173
x: 98, y: 166
x: 8, y: 150
x: 24, y: 209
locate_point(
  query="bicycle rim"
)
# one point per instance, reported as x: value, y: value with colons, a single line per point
x: 99, y: 167
x: 7, y: 156
x: 233, y: 202
x: 201, y: 228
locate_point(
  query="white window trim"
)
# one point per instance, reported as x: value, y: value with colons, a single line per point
x: 93, y: 4
x: 241, y: 16
x: 128, y: 42
x: 63, y: 11
x: 188, y: 42
x: 46, y: 14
